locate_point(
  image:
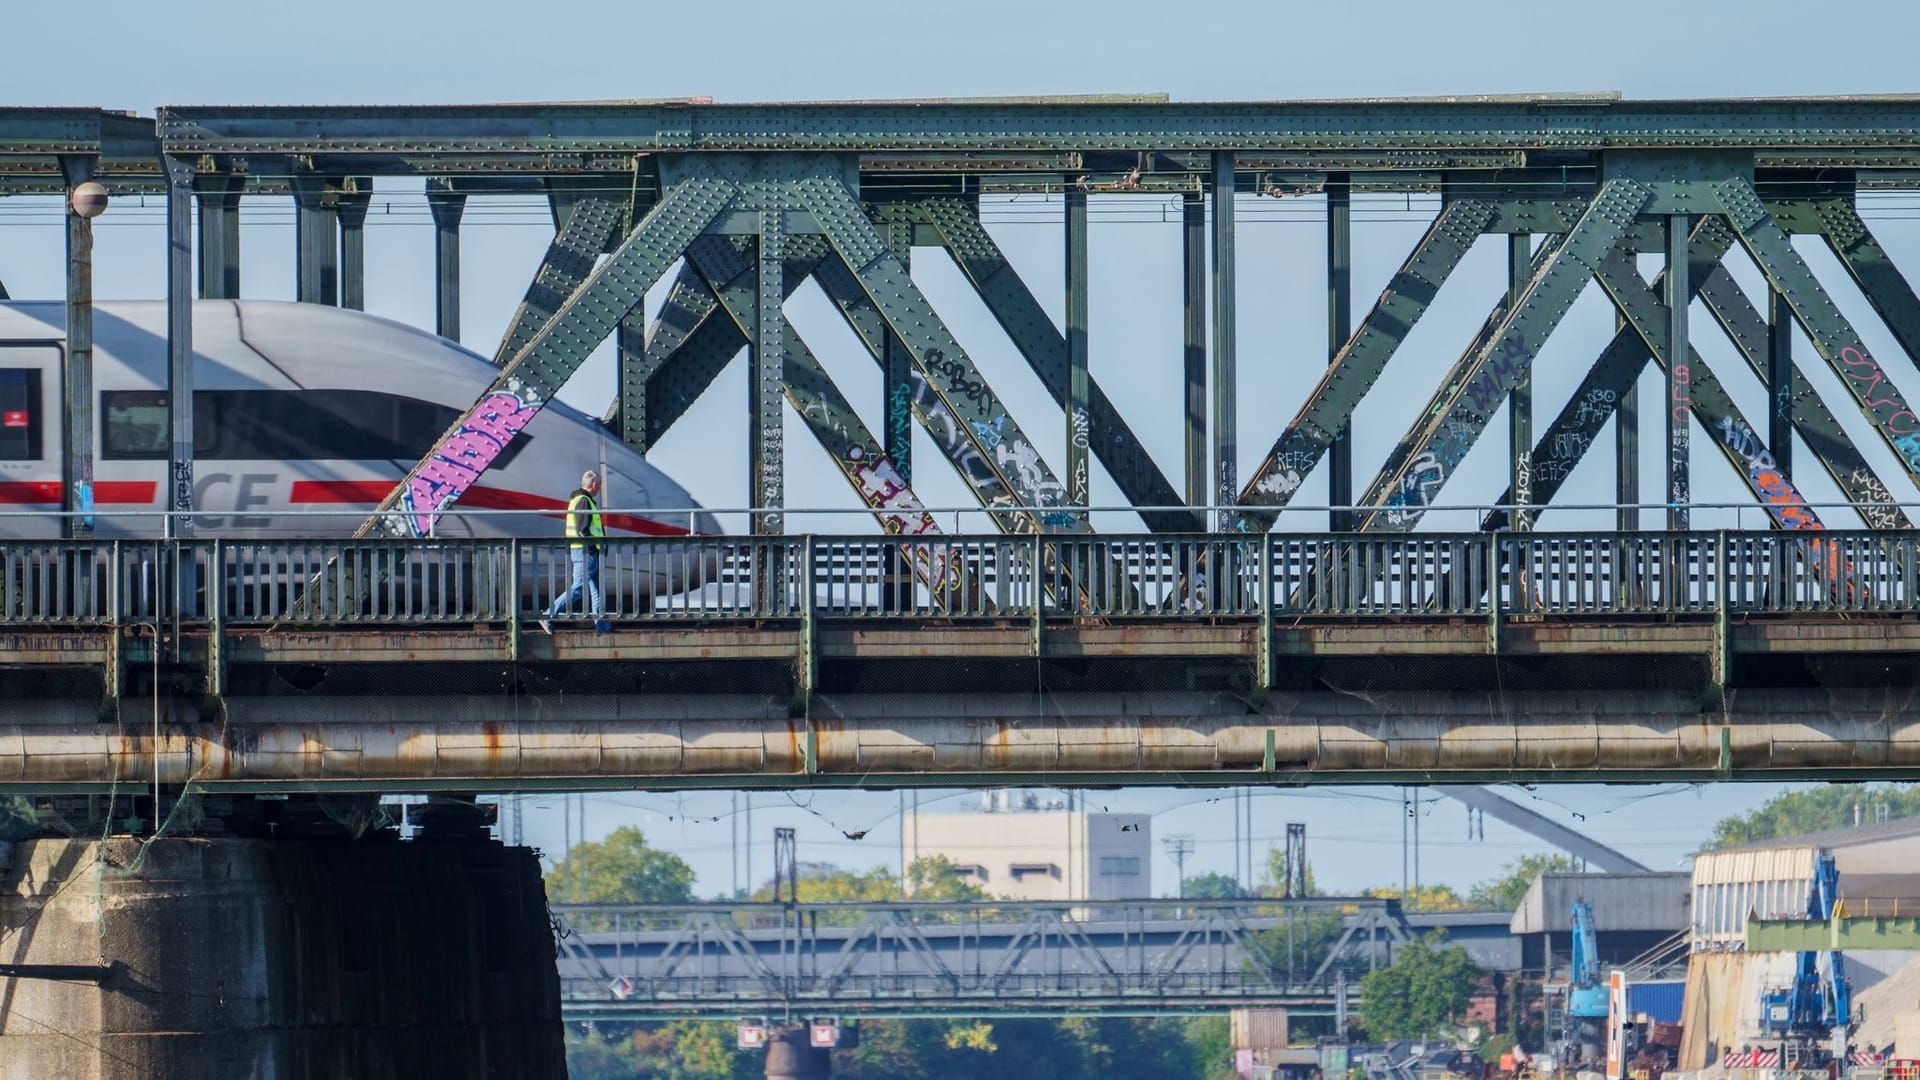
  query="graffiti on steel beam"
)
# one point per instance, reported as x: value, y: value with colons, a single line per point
x: 1423, y: 477
x: 464, y: 455
x: 1784, y: 503
x: 1873, y: 500
x: 1595, y: 406
x: 1523, y: 481
x: 1677, y: 455
x: 1883, y: 402
x: 885, y: 491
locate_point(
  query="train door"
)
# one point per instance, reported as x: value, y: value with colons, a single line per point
x: 30, y: 439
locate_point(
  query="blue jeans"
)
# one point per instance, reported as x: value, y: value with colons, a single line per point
x: 586, y: 583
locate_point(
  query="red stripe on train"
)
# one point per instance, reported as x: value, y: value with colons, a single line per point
x: 52, y: 492
x: 371, y: 492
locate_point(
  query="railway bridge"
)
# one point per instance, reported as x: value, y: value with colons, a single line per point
x: 1217, y: 629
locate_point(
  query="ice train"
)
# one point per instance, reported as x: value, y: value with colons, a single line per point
x: 305, y: 417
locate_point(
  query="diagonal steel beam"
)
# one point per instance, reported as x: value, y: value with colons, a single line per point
x: 1829, y: 443
x: 528, y: 381
x: 1033, y: 333
x: 568, y: 261
x: 1833, y: 337
x: 1645, y: 313
x: 949, y: 433
x: 1360, y: 361
x: 1426, y: 459
x: 813, y: 395
x: 950, y: 374
x: 1866, y: 262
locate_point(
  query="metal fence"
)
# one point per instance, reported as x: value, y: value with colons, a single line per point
x: 961, y: 577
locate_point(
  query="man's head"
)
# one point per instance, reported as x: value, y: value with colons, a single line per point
x: 590, y: 481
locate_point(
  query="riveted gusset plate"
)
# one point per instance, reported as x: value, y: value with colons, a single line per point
x: 527, y: 382
x: 1439, y: 444
x: 996, y: 438
x: 1329, y: 408
x: 1833, y: 337
x: 1026, y: 324
x: 568, y: 261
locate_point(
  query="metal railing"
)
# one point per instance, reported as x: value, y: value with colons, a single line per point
x: 1140, y: 576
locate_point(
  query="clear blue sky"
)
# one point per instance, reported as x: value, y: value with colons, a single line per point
x: 136, y: 56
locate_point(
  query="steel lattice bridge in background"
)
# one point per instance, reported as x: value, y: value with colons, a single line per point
x: 720, y: 961
x: 1205, y: 649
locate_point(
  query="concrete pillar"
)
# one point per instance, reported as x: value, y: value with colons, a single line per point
x: 792, y: 1056
x: 291, y: 959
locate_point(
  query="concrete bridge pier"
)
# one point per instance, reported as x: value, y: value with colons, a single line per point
x: 791, y: 1055
x: 294, y: 959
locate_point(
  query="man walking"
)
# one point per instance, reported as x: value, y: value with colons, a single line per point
x: 586, y: 531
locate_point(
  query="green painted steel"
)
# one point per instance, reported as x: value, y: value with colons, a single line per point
x: 1546, y: 121
x: 568, y: 261
x: 1841, y: 932
x: 1833, y: 337
x: 537, y: 372
x: 1359, y: 363
x: 1402, y: 492
x: 999, y: 446
x: 1703, y: 396
x: 1047, y: 352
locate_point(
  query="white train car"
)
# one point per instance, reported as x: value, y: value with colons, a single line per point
x: 305, y: 417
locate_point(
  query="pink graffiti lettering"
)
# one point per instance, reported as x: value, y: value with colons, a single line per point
x: 1868, y: 380
x: 460, y: 458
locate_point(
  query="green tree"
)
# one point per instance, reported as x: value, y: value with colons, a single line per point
x: 1504, y: 893
x: 16, y: 817
x: 1277, y: 873
x: 1809, y: 810
x: 1211, y: 886
x: 621, y: 869
x: 1425, y: 897
x: 1422, y: 994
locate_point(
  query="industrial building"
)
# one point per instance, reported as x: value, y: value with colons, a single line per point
x: 1019, y: 848
x: 1770, y: 879
x: 1633, y: 914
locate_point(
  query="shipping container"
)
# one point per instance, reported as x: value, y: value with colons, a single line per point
x: 1657, y: 1001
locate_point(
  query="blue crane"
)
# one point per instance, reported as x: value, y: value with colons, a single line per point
x: 1816, y: 1005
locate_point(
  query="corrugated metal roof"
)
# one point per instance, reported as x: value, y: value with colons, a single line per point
x: 1651, y: 901
x: 1832, y: 838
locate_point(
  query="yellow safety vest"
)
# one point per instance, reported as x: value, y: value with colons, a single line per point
x: 583, y: 517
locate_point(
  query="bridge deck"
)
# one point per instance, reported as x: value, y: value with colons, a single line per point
x: 819, y: 661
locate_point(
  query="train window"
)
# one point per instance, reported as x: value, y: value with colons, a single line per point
x: 19, y: 414
x: 133, y: 424
x: 284, y: 425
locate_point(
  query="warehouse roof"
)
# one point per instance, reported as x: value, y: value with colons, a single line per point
x: 1650, y: 900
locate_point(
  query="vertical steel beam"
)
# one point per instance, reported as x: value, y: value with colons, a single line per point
x: 330, y: 246
x: 354, y: 201
x: 766, y: 381
x: 1193, y: 251
x: 526, y: 383
x: 1077, y: 417
x: 1045, y: 348
x: 77, y: 475
x: 1226, y: 469
x: 180, y: 340
x: 1679, y: 377
x: 446, y: 204
x: 1426, y: 458
x: 1520, y: 399
x: 896, y: 369
x: 1364, y: 357
x: 1833, y: 337
x: 311, y: 236
x: 1780, y: 377
x: 220, y: 234
x: 1339, y: 327
x: 630, y: 359
x: 1626, y: 453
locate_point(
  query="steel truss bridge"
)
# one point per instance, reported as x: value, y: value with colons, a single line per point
x: 1206, y: 648
x: 719, y: 961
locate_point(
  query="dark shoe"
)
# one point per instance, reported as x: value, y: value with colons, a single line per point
x: 602, y: 626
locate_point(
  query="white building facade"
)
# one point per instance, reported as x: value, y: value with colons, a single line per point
x: 1021, y: 853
